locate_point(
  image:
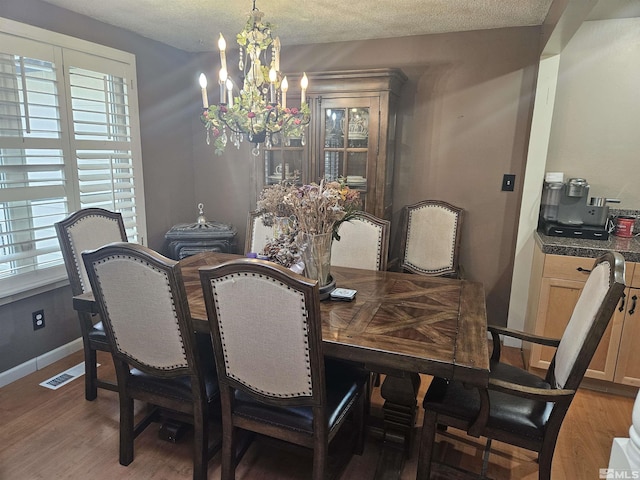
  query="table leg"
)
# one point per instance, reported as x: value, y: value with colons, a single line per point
x: 399, y: 412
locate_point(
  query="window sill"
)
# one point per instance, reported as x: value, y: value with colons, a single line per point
x: 33, y: 283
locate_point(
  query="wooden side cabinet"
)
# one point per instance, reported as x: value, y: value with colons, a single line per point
x: 351, y: 135
x: 628, y: 365
x: 555, y: 292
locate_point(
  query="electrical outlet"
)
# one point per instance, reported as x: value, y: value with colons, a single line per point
x: 508, y: 181
x: 38, y: 319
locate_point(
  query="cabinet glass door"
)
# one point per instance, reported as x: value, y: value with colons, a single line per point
x: 285, y: 162
x: 345, y: 146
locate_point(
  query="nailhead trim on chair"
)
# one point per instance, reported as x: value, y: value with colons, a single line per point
x: 173, y: 306
x: 306, y: 332
x: 409, y: 230
x: 77, y: 255
x: 379, y: 228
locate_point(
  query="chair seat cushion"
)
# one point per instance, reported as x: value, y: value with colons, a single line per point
x: 180, y: 387
x: 507, y: 412
x: 344, y: 385
x: 97, y: 335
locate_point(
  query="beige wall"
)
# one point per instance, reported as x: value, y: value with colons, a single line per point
x: 165, y: 102
x: 464, y: 122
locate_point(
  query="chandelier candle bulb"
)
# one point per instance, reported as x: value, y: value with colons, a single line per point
x: 223, y: 85
x: 203, y: 87
x: 230, y: 92
x: 304, y: 83
x: 222, y: 45
x: 273, y: 76
x: 284, y: 86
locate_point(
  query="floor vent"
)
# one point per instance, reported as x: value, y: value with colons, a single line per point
x: 65, y: 377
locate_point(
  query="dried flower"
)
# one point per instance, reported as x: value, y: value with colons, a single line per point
x: 314, y: 208
x: 310, y: 209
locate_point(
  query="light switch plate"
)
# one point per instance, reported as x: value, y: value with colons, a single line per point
x: 508, y: 182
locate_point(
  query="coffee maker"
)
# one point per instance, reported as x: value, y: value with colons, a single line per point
x: 564, y: 211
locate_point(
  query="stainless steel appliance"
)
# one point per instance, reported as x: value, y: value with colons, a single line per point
x: 564, y: 211
x: 573, y: 200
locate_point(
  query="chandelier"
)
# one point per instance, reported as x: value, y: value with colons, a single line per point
x: 256, y: 108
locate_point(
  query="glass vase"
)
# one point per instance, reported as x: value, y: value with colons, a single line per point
x: 316, y: 255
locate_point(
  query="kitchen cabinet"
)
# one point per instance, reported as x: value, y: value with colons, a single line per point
x: 351, y: 135
x: 628, y: 365
x: 556, y: 283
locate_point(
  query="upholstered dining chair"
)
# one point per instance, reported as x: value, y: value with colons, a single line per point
x: 257, y: 233
x: 364, y: 243
x: 431, y: 239
x: 267, y: 337
x: 88, y: 229
x: 158, y: 357
x: 520, y: 408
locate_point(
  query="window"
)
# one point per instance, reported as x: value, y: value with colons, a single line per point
x: 69, y: 139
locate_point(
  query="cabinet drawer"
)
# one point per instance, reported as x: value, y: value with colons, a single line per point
x: 567, y: 268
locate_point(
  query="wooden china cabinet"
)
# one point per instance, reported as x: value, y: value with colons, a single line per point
x: 351, y: 135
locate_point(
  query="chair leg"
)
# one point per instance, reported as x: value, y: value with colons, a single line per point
x: 90, y: 358
x: 228, y: 467
x: 427, y: 441
x: 320, y: 459
x: 200, y: 446
x: 358, y: 420
x: 126, y: 430
x: 90, y: 373
x: 485, y: 459
x: 544, y: 465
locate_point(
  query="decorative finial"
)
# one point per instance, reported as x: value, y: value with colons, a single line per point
x: 201, y: 218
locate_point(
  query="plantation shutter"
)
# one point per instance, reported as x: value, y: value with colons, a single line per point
x: 69, y: 139
x: 32, y: 180
x: 102, y: 135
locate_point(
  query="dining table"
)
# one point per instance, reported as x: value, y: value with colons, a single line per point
x: 399, y: 324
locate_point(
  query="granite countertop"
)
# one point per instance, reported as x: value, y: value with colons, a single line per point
x: 577, y: 247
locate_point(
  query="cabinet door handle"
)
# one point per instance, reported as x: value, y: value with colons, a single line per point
x: 580, y: 269
x: 622, y: 299
x: 632, y: 310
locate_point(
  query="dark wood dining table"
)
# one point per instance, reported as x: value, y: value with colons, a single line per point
x: 399, y: 324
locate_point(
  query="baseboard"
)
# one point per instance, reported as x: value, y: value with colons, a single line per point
x: 39, y: 362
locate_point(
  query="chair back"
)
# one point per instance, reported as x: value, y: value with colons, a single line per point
x: 266, y: 331
x: 143, y: 306
x: 431, y: 241
x: 364, y: 243
x: 257, y: 233
x: 86, y: 229
x: 589, y: 320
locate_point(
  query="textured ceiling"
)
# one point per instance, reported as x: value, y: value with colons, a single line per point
x: 193, y: 25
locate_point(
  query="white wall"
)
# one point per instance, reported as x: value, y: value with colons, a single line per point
x: 586, y: 123
x: 595, y: 132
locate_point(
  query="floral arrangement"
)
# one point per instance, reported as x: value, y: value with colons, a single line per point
x: 283, y: 250
x: 311, y: 209
x: 322, y: 208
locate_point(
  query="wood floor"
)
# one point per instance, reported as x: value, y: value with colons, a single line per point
x: 49, y: 434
